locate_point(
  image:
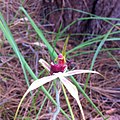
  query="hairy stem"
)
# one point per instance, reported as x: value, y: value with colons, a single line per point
x: 58, y: 102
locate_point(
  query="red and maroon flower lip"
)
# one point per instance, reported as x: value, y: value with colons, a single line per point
x: 60, y: 66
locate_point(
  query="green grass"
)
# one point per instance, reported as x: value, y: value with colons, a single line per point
x: 96, y: 54
x: 92, y: 51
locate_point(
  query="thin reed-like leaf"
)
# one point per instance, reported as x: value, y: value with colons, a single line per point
x: 9, y: 37
x: 39, y: 32
x: 96, y: 54
x: 68, y: 102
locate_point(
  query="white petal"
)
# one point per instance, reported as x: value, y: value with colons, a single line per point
x: 73, y: 91
x: 38, y: 83
x: 70, y: 87
x: 34, y: 85
x: 45, y: 64
x: 41, y: 81
x: 69, y: 73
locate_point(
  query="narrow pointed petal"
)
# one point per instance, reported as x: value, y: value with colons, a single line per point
x: 41, y: 81
x: 73, y: 91
x: 34, y: 85
x: 74, y: 72
x: 45, y: 64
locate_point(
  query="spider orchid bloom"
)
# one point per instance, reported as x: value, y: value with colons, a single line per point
x: 59, y: 71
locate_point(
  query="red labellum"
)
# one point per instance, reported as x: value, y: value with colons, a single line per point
x: 60, y: 66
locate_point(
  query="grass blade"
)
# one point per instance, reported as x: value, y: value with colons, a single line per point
x: 39, y: 32
x: 9, y: 37
x: 68, y: 102
x: 95, y: 56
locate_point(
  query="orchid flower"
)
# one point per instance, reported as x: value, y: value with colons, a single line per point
x: 59, y: 70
